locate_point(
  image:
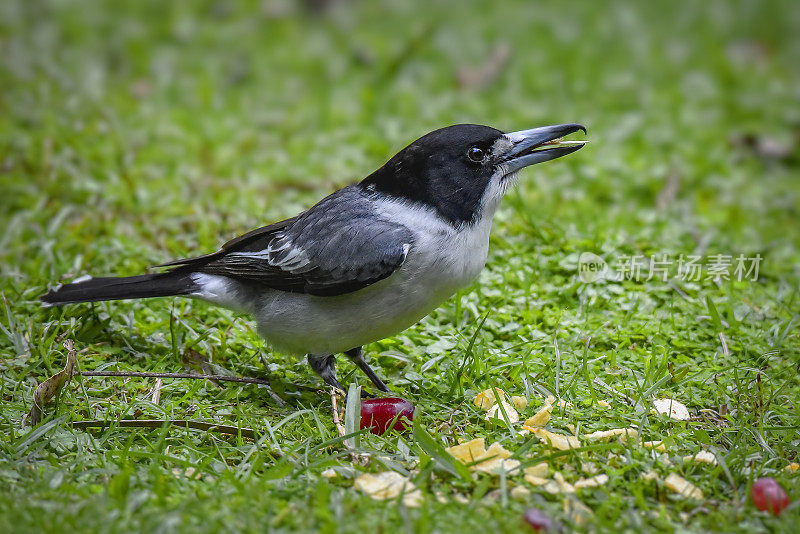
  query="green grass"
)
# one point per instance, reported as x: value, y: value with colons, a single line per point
x: 137, y: 132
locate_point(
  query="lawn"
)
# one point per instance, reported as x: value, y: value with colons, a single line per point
x: 132, y: 133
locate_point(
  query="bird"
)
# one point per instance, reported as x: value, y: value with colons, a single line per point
x: 364, y: 263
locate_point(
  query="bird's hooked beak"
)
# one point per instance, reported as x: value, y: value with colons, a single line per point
x: 528, y: 147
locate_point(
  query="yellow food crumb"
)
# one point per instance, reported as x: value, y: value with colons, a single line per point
x: 588, y: 468
x: 389, y: 485
x: 538, y: 470
x: 592, y: 482
x: 329, y: 473
x: 702, y: 457
x: 495, y: 412
x: 495, y: 459
x: 492, y: 460
x: 557, y: 441
x: 622, y: 434
x: 535, y: 481
x: 468, y: 451
x: 486, y: 399
x: 541, y: 418
x: 520, y: 403
x: 559, y: 485
x: 672, y: 409
x: 683, y: 487
x: 657, y: 445
x: 649, y: 475
x: 520, y: 493
x: 577, y: 511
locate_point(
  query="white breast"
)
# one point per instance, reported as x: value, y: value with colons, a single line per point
x: 441, y: 260
x: 441, y: 252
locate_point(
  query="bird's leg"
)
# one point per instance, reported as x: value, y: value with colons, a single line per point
x: 325, y: 367
x: 357, y: 356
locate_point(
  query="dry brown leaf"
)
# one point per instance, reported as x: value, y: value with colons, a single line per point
x: 520, y: 403
x: 495, y: 413
x: 592, y: 482
x: 49, y: 388
x: 683, y: 487
x: 558, y: 441
x: 389, y: 485
x: 468, y: 451
x: 672, y: 409
x: 486, y: 399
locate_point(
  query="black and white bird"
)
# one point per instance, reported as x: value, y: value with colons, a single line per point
x: 366, y: 262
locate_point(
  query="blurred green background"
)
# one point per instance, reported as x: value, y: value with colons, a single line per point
x: 197, y: 120
x: 135, y: 132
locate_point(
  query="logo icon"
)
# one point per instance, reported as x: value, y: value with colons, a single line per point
x: 591, y: 267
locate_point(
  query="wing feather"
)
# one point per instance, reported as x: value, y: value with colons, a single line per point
x: 338, y: 246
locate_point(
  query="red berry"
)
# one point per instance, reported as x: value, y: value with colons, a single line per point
x: 378, y: 414
x: 537, y: 520
x: 767, y: 494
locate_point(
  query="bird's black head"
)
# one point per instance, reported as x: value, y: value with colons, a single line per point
x: 462, y: 170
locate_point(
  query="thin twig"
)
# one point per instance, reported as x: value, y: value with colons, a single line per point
x: 724, y: 343
x: 356, y: 458
x: 156, y: 398
x: 336, y: 420
x: 177, y: 375
x: 670, y: 189
x: 224, y: 378
x: 158, y: 423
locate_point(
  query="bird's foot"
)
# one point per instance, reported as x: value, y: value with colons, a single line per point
x: 325, y: 367
x: 357, y: 356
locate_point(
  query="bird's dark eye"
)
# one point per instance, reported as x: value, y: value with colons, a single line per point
x: 475, y: 154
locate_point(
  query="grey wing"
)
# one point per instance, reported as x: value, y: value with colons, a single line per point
x: 339, y: 246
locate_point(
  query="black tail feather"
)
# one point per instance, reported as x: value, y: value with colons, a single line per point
x: 129, y: 287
